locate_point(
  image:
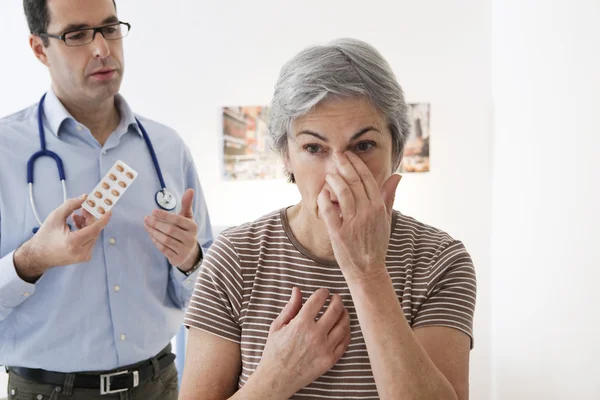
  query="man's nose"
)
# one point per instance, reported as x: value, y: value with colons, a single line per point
x: 101, y: 49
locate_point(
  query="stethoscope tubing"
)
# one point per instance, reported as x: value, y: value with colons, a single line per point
x: 44, y: 152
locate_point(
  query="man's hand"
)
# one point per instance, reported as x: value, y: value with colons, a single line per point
x: 175, y: 235
x: 55, y: 245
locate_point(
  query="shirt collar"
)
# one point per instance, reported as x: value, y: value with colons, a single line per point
x: 56, y: 114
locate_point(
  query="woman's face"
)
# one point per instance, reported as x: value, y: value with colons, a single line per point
x: 337, y: 125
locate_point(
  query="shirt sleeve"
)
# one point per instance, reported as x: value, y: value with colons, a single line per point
x: 183, y: 285
x: 451, y: 293
x: 217, y: 298
x: 13, y: 289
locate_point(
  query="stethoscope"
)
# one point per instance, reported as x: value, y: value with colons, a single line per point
x: 164, y: 199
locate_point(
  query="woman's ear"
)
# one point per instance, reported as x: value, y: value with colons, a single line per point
x: 287, y: 164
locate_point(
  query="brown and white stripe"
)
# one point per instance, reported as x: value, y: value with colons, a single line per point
x: 248, y: 274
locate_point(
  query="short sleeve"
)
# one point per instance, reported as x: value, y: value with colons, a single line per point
x: 451, y: 292
x: 217, y: 297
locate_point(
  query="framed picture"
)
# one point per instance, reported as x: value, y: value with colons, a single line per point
x: 416, y: 152
x: 247, y: 154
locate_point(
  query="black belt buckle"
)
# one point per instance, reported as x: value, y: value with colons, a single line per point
x: 105, y: 382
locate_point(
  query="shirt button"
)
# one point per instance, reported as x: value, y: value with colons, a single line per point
x: 123, y: 337
x: 26, y: 294
x: 112, y: 241
x: 117, y: 288
x: 79, y: 128
x: 57, y: 389
x: 188, y: 281
x: 103, y: 152
x: 39, y: 397
x: 13, y: 392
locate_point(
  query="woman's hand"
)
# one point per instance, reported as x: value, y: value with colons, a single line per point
x: 360, y: 228
x: 300, y: 348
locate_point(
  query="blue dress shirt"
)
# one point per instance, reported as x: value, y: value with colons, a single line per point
x: 127, y: 303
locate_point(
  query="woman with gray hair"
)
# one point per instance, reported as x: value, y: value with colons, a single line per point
x: 338, y: 296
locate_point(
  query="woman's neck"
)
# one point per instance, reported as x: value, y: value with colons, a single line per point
x: 310, y: 231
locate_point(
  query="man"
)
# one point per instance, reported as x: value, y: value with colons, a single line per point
x: 88, y: 307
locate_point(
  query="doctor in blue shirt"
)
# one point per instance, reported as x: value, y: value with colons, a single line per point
x: 88, y: 307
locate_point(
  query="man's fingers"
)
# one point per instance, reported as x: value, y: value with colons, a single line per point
x: 184, y: 223
x: 89, y: 218
x: 171, y: 230
x: 289, y: 312
x: 164, y: 249
x: 92, y: 231
x: 68, y: 207
x: 167, y: 240
x: 79, y: 221
x: 314, y: 304
x: 332, y: 315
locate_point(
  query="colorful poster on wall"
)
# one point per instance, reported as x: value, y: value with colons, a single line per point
x: 416, y: 152
x: 247, y: 154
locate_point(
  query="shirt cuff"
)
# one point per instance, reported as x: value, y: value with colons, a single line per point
x: 13, y: 289
x: 184, y: 280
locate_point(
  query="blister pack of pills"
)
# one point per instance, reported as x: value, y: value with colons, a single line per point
x: 110, y: 189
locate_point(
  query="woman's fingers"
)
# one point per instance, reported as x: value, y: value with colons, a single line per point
x: 329, y: 213
x: 332, y: 315
x: 366, y: 177
x: 353, y: 179
x: 314, y: 305
x: 344, y: 195
x: 340, y: 329
x: 289, y: 312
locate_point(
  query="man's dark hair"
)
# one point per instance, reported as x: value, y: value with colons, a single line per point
x: 38, y: 17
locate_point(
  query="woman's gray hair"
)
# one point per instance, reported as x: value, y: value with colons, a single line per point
x: 344, y: 68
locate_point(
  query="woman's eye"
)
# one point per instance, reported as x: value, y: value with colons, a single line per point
x: 312, y: 148
x: 364, y: 146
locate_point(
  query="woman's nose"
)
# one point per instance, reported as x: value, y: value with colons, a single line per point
x: 331, y: 163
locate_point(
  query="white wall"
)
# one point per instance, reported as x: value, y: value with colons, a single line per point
x: 545, y: 261
x: 229, y: 53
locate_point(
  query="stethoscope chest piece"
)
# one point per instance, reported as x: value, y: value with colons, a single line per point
x: 166, y: 200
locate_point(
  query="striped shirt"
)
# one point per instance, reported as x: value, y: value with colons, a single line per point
x: 248, y: 274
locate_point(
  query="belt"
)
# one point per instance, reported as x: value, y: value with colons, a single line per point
x: 115, y: 381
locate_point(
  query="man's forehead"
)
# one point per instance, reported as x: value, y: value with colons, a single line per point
x: 63, y: 13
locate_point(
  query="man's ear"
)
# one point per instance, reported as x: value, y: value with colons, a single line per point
x: 39, y: 50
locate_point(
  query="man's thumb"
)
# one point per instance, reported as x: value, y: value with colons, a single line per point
x: 186, y: 204
x: 68, y: 207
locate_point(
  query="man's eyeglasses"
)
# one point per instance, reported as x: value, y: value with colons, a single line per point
x: 81, y: 37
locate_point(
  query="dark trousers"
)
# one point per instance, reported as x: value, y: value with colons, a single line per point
x: 162, y: 386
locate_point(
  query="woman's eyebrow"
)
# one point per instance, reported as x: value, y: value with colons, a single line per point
x: 323, y: 138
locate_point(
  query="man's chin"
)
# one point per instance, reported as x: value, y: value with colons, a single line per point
x: 104, y: 88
